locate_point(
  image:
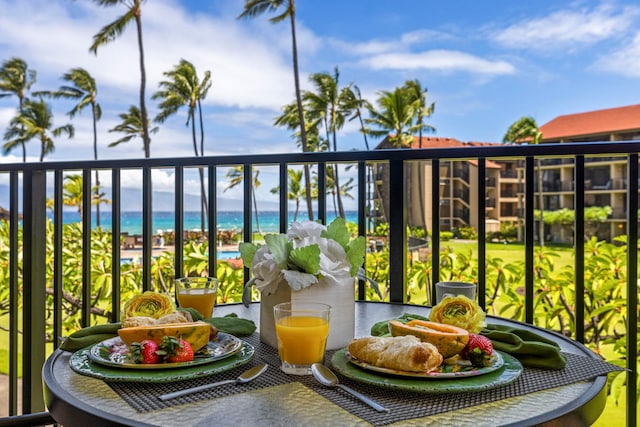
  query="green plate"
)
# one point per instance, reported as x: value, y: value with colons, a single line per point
x: 509, y: 372
x: 113, y: 352
x: 81, y: 363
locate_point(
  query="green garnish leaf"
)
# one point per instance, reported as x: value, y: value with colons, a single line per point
x: 307, y: 258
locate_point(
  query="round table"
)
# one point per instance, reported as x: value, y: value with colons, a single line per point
x: 77, y: 400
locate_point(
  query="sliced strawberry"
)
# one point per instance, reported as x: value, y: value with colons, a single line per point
x: 176, y: 350
x: 478, y: 350
x: 145, y: 352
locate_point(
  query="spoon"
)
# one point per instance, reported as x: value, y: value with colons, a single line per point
x: 326, y: 377
x: 245, y: 377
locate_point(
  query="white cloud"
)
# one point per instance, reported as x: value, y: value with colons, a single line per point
x: 439, y: 60
x: 624, y: 61
x: 568, y: 28
x: 229, y: 49
x: 376, y: 46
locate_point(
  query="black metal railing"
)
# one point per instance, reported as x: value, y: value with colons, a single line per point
x: 34, y: 179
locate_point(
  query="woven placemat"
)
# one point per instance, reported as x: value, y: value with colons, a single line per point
x: 403, y: 405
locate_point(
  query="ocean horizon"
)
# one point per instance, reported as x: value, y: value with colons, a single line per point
x: 131, y: 221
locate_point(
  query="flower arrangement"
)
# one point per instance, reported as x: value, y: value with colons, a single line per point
x: 308, y: 252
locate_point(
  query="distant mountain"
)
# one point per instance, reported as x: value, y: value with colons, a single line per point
x: 131, y: 200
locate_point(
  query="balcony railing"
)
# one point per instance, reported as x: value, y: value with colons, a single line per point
x: 29, y: 209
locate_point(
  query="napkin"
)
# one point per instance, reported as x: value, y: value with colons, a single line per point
x: 533, y: 350
x: 230, y: 324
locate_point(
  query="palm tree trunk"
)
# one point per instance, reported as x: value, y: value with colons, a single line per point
x: 255, y: 208
x: 22, y: 144
x: 143, y: 82
x: 205, y: 205
x: 200, y: 171
x: 303, y: 130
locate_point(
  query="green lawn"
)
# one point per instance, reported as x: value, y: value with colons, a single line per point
x: 510, y: 252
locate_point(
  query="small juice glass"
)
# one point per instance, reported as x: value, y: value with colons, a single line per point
x: 302, y: 329
x: 198, y: 293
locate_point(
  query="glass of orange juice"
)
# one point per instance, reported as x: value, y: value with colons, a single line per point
x: 302, y: 329
x: 198, y: 293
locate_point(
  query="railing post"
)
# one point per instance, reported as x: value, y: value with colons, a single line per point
x: 578, y: 244
x: 529, y: 241
x: 482, y: 232
x: 435, y: 228
x: 397, y: 231
x: 147, y: 231
x: 632, y: 288
x: 34, y: 290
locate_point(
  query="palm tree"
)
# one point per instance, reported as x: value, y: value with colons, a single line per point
x: 395, y: 114
x: 356, y: 105
x: 73, y: 190
x: 131, y: 126
x: 83, y: 88
x: 184, y: 88
x: 335, y: 191
x: 421, y: 110
x: 236, y: 176
x: 34, y: 122
x: 253, y: 8
x: 109, y: 33
x: 329, y: 106
x: 295, y: 190
x: 525, y: 130
x: 16, y: 79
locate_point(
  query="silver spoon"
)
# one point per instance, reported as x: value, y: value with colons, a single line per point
x: 245, y: 377
x: 326, y: 377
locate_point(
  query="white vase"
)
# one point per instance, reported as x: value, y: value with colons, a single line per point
x: 340, y: 297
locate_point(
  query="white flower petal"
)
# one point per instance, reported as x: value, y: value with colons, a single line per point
x: 300, y: 230
x: 299, y: 280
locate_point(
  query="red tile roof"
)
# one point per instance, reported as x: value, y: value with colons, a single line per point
x: 435, y: 142
x: 592, y: 123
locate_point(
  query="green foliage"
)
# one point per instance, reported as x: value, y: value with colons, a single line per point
x: 382, y: 229
x: 162, y: 275
x: 466, y: 233
x: 446, y: 235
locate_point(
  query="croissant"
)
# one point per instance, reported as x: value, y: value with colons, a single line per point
x: 403, y: 353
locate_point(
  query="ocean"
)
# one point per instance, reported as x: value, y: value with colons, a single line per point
x: 131, y: 222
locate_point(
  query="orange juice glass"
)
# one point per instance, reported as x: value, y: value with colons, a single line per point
x: 302, y: 329
x: 198, y: 293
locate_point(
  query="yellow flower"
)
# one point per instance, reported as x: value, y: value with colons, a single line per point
x: 459, y: 311
x: 150, y: 304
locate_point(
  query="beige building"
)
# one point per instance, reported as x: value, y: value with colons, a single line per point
x: 605, y: 178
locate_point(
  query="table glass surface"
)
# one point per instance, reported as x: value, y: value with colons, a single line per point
x: 68, y: 393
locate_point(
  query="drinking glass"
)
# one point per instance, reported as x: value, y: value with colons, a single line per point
x: 444, y: 289
x: 198, y: 293
x: 302, y: 329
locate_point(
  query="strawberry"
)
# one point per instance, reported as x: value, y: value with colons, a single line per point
x: 478, y: 350
x: 176, y: 350
x: 145, y: 352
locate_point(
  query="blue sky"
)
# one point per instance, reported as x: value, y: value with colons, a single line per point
x: 485, y: 63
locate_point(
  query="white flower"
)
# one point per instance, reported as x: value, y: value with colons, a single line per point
x: 298, y: 280
x: 266, y: 273
x: 300, y: 230
x: 308, y: 253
